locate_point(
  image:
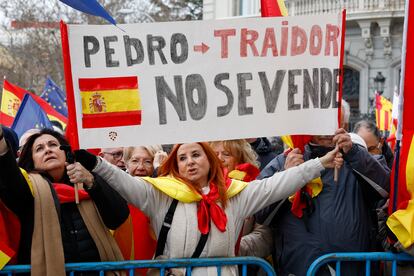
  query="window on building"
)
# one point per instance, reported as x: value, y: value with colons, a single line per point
x: 350, y: 93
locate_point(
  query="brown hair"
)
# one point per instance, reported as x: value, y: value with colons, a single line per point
x: 170, y: 167
x: 26, y: 156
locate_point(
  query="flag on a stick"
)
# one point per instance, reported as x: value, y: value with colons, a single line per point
x: 109, y: 102
x: 401, y: 219
x: 383, y: 113
x: 91, y: 7
x: 273, y: 8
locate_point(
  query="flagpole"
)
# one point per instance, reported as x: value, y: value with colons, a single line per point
x: 398, y: 134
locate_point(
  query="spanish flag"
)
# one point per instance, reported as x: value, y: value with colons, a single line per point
x: 10, y: 102
x: 135, y: 238
x: 314, y: 187
x: 110, y: 102
x: 383, y: 113
x: 273, y: 8
x: 401, y: 221
x: 9, y: 236
x: 12, y: 98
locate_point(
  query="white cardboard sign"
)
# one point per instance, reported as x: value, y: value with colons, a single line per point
x: 204, y: 80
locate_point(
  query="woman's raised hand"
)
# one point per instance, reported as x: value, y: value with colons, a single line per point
x: 332, y: 159
x: 78, y: 174
x: 159, y: 157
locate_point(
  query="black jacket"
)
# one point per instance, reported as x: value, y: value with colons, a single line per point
x: 78, y: 244
x: 341, y: 220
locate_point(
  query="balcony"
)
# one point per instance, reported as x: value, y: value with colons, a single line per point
x: 356, y: 9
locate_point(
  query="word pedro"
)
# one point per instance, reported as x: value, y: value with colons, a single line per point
x: 320, y: 86
x: 289, y: 41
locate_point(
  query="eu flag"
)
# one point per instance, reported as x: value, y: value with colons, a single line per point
x: 91, y: 7
x: 30, y: 115
x: 55, y: 97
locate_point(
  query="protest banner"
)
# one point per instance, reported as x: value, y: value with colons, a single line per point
x: 203, y: 80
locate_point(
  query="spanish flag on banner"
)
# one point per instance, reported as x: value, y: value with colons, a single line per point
x: 401, y: 220
x: 110, y: 102
x: 10, y: 102
x: 273, y: 8
x: 383, y: 113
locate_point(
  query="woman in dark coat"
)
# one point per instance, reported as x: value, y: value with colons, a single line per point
x: 54, y: 229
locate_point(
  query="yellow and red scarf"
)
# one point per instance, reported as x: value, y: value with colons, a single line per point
x: 208, y: 209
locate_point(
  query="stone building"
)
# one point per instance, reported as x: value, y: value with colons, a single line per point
x: 374, y: 30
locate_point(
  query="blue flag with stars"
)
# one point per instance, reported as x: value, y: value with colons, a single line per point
x: 30, y: 115
x: 91, y: 7
x: 55, y: 97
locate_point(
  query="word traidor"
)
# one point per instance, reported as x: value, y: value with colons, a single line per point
x: 269, y: 42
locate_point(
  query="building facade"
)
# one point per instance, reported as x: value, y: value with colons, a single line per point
x: 373, y: 42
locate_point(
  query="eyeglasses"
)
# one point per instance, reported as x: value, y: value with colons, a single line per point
x: 115, y: 155
x: 146, y: 163
x: 375, y: 149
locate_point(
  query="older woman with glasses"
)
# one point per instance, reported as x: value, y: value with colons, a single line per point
x: 136, y: 237
x: 209, y: 211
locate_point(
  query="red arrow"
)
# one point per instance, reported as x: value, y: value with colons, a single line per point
x: 201, y: 48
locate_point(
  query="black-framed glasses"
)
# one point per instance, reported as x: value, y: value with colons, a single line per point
x: 115, y: 155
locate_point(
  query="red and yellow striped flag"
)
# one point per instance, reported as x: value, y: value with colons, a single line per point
x: 6, y: 253
x: 12, y: 98
x: 10, y: 102
x: 273, y: 8
x: 9, y: 236
x: 110, y: 102
x: 401, y: 221
x: 135, y: 238
x: 383, y: 113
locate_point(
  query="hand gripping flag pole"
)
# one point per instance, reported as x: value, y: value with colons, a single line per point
x: 70, y: 158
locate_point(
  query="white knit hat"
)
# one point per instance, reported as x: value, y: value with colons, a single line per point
x: 356, y: 139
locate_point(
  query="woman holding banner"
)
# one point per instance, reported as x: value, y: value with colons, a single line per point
x: 205, y: 210
x: 54, y: 229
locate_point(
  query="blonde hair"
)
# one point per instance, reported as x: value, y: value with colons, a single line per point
x: 129, y: 150
x: 153, y: 149
x: 241, y: 150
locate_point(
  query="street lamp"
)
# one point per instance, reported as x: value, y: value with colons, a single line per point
x: 379, y: 82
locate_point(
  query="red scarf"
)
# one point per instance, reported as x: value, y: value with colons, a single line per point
x: 66, y: 193
x: 208, y: 207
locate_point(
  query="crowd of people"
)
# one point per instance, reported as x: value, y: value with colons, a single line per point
x: 215, y: 199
